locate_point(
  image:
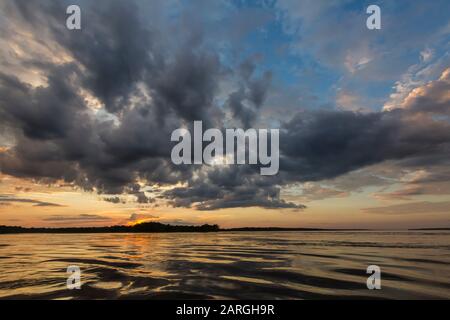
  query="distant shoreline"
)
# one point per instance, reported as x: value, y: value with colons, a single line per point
x: 153, y: 227
x: 430, y: 229
x: 147, y: 227
x: 156, y: 227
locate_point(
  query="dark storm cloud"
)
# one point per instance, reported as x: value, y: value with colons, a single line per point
x: 119, y: 51
x: 116, y: 56
x: 188, y: 85
x: 249, y: 198
x: 77, y: 147
x: 149, y: 86
x: 207, y: 196
x: 229, y: 187
x: 40, y: 111
x: 113, y: 47
x: 246, y: 102
x: 322, y: 145
x: 326, y: 144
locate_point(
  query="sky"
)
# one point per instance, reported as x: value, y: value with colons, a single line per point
x: 86, y: 115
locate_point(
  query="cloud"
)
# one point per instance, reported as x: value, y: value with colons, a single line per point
x: 246, y: 102
x: 76, y: 218
x: 426, y: 54
x: 433, y: 97
x: 424, y: 207
x: 433, y: 181
x: 313, y: 191
x: 6, y: 200
x: 347, y: 101
x: 415, y: 86
x: 113, y: 199
x: 47, y: 204
x: 326, y: 144
x: 135, y: 217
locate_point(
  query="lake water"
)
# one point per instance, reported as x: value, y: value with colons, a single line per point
x: 226, y: 265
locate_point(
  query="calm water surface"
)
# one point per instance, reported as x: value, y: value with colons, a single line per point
x: 234, y: 265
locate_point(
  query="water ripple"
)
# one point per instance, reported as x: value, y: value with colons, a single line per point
x: 230, y: 265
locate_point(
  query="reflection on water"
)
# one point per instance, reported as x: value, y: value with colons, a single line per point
x: 233, y: 265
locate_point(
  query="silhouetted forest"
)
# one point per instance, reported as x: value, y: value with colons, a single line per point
x: 142, y: 227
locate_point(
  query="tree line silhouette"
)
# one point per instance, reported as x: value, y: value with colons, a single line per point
x: 142, y: 227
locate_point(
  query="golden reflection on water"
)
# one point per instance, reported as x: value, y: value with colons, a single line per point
x: 231, y: 265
